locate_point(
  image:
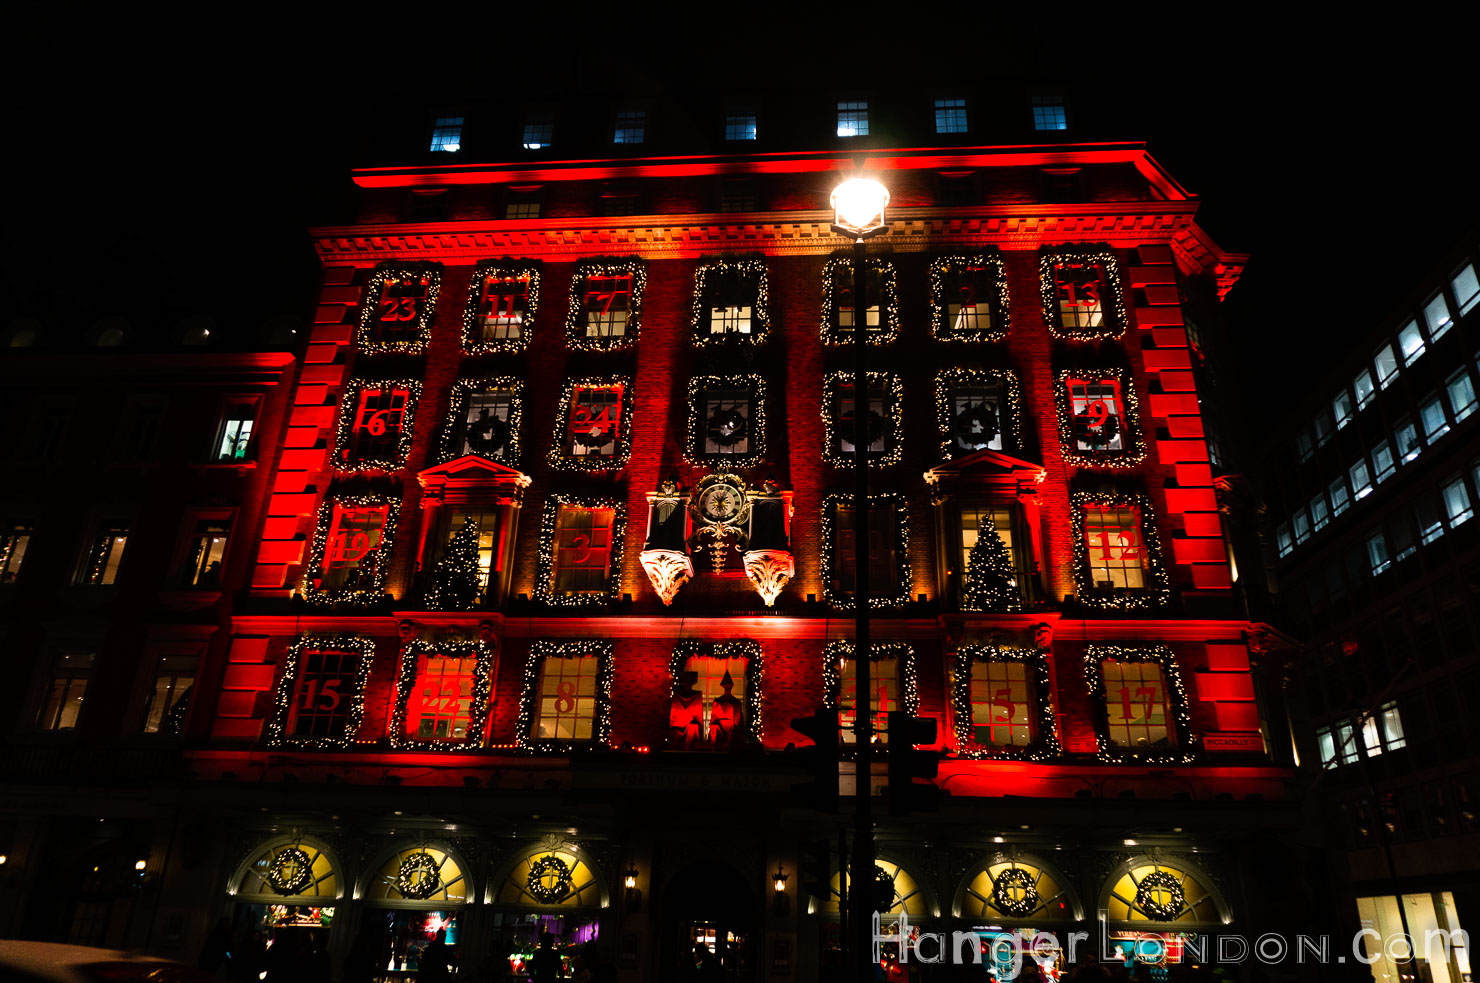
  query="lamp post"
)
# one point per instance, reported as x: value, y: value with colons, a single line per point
x: 858, y: 206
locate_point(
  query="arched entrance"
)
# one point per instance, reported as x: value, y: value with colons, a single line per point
x: 709, y: 905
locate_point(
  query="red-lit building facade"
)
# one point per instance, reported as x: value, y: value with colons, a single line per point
x: 567, y: 430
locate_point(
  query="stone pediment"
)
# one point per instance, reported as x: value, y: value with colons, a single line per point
x: 470, y: 475
x: 989, y: 469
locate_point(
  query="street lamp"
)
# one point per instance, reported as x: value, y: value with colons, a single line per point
x: 778, y: 879
x: 858, y: 213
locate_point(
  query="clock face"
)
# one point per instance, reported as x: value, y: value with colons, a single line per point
x: 721, y: 503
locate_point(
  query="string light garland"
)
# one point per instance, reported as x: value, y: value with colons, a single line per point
x: 1126, y: 422
x: 751, y: 274
x: 1180, y: 724
x: 1012, y: 905
x: 753, y: 428
x: 1163, y: 882
x: 1009, y: 406
x: 740, y: 648
x: 290, y: 871
x: 601, y: 711
x: 835, y: 656
x: 473, y: 342
x: 375, y: 592
x: 544, y: 588
x: 455, y: 426
x: 275, y: 730
x: 418, y: 877
x: 482, y: 654
x: 841, y: 267
x: 834, y: 431
x: 430, y: 275
x: 546, y: 867
x: 1113, y: 317
x: 575, y: 320
x: 1045, y: 745
x: 1158, y: 591
x: 843, y: 600
x: 991, y: 579
x: 946, y: 269
x: 560, y: 455
x: 349, y: 411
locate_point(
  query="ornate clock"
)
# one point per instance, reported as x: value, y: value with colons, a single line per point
x: 720, y: 500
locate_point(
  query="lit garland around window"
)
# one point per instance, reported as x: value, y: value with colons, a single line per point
x: 1126, y: 424
x: 418, y: 877
x: 406, y: 684
x: 751, y: 274
x: 549, y: 880
x: 544, y: 588
x: 838, y: 274
x: 1010, y: 406
x: 1014, y: 893
x: 496, y: 439
x: 1157, y: 592
x: 349, y: 411
x: 314, y: 571
x: 290, y: 871
x: 837, y: 419
x: 836, y: 655
x: 560, y: 456
x: 1112, y: 319
x: 1160, y: 882
x: 947, y: 274
x: 529, y: 703
x: 743, y: 648
x: 1045, y: 746
x: 727, y: 427
x: 1179, y: 727
x: 576, y: 320
x: 843, y: 600
x: 473, y: 341
x: 276, y: 729
x: 423, y: 277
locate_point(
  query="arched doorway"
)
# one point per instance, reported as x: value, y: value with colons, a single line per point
x: 286, y: 894
x: 713, y: 906
x: 414, y: 892
x: 553, y: 887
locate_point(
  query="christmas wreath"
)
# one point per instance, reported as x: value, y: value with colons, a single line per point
x: 728, y: 427
x: 539, y: 883
x: 1021, y: 904
x: 487, y: 435
x: 1159, y: 882
x: 975, y: 426
x: 418, y: 877
x: 290, y: 871
x: 884, y: 893
x: 1092, y: 429
x: 875, y: 427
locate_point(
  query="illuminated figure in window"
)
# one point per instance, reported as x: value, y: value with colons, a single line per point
x: 727, y: 716
x: 686, y: 714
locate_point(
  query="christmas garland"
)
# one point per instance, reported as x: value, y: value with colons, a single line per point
x: 1046, y: 746
x: 1113, y: 321
x: 275, y: 731
x: 565, y: 461
x: 315, y: 566
x: 370, y: 306
x: 473, y: 330
x: 901, y: 595
x: 477, y: 713
x: 741, y: 648
x: 1009, y: 406
x: 600, y: 724
x: 834, y: 432
x: 575, y: 320
x: 544, y: 588
x: 699, y: 426
x: 942, y: 270
x: 418, y: 877
x: 1003, y: 899
x: 349, y: 410
x: 752, y: 272
x: 1160, y: 911
x: 548, y: 866
x: 1133, y: 448
x: 842, y: 266
x: 1179, y: 725
x: 1157, y: 593
x: 278, y: 874
x: 453, y: 426
x: 835, y: 655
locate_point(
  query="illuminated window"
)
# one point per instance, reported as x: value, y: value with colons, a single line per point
x: 565, y: 698
x: 70, y: 673
x: 1339, y: 498
x: 485, y: 423
x: 1383, y: 464
x: 631, y: 127
x: 234, y: 435
x: 1048, y: 113
x: 1301, y: 523
x: 973, y: 520
x: 1305, y: 448
x: 447, y: 134
x: 594, y: 427
x: 169, y: 698
x: 503, y: 304
x: 14, y: 540
x: 441, y: 702
x: 607, y: 305
x: 1097, y: 418
x: 1342, y: 409
x: 1361, y: 480
x: 728, y: 299
x: 1135, y: 703
x: 105, y: 555
x: 352, y: 547
x: 1080, y: 288
x: 206, y: 551
x: 1430, y: 522
x: 880, y: 417
x: 380, y: 419
x: 583, y: 544
x: 1001, y: 711
x: 1324, y: 430
x: 1364, y: 387
x: 522, y: 204
x: 1406, y: 434
x: 1466, y: 288
x: 1456, y: 501
x: 1461, y: 395
x: 400, y: 309
x: 1113, y: 537
x: 1436, y: 317
x: 853, y: 119
x: 950, y: 116
x: 1283, y: 540
x: 732, y: 718
x: 1431, y: 415
x: 884, y: 696
x: 1410, y: 340
x: 1326, y: 746
x: 1387, y: 366
x: 539, y: 131
x: 844, y: 312
x: 324, y: 693
x: 1319, y: 516
x: 979, y: 412
x: 883, y: 564
x: 727, y: 417
x: 486, y: 525
x: 969, y: 294
x: 740, y: 126
x: 1377, y: 552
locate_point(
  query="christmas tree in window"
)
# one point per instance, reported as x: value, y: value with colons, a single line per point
x: 456, y: 581
x: 991, y: 581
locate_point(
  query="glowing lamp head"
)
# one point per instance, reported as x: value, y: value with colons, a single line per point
x: 778, y: 880
x: 858, y: 206
x: 140, y: 864
x: 631, y: 878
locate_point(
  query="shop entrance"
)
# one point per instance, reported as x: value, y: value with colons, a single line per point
x: 708, y: 913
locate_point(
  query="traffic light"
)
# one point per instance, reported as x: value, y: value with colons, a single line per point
x: 907, y: 764
x: 814, y: 868
x: 821, y: 758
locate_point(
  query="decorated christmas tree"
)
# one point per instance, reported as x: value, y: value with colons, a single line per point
x: 989, y: 574
x: 455, y: 583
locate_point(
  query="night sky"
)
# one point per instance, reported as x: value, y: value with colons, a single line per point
x: 175, y: 154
